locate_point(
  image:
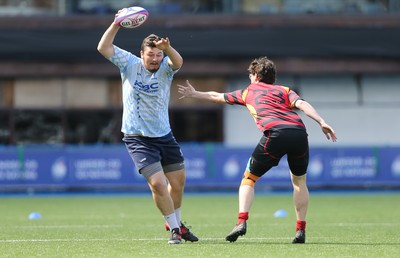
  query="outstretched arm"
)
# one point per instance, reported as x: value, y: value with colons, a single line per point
x: 175, y: 59
x: 189, y: 91
x: 105, y: 46
x: 312, y: 113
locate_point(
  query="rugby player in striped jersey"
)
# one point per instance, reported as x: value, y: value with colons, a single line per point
x: 283, y: 133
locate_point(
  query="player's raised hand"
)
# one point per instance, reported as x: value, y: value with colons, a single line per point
x: 120, y: 11
x: 186, y: 91
x: 163, y: 44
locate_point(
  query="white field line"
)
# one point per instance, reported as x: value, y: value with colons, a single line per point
x: 344, y: 224
x: 362, y: 224
x: 161, y: 239
x: 129, y: 239
x: 70, y: 226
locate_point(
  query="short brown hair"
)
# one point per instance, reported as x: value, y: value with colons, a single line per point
x: 264, y: 68
x: 149, y: 41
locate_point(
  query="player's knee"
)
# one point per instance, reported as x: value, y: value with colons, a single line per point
x: 249, y: 179
x: 158, y: 188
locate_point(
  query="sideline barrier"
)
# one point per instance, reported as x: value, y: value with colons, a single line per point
x: 208, y: 166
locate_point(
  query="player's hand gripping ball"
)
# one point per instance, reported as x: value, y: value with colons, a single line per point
x: 131, y: 17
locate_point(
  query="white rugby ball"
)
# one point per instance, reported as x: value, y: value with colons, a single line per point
x: 132, y: 17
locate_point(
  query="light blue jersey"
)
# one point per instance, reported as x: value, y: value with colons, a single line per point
x: 145, y: 95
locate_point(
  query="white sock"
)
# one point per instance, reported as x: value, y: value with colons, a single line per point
x: 171, y: 221
x: 178, y: 215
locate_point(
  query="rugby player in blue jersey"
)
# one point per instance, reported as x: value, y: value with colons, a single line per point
x: 146, y: 83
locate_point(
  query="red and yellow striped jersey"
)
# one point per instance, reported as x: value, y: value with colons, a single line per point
x: 272, y: 106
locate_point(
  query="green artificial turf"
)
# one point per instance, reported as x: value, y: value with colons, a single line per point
x: 344, y: 225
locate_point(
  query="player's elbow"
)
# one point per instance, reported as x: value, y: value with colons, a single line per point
x: 107, y: 52
x: 178, y: 63
x: 100, y: 48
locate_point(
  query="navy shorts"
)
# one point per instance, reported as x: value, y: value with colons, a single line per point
x: 146, y: 151
x: 274, y: 144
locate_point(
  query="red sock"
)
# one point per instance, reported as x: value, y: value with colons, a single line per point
x: 301, y: 225
x: 242, y: 217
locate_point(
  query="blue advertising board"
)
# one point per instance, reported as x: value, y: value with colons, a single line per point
x: 388, y: 171
x: 207, y: 165
x: 67, y: 166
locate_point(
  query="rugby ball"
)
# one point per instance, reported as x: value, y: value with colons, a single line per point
x: 131, y: 17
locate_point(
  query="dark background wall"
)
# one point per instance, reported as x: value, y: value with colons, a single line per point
x: 67, y: 45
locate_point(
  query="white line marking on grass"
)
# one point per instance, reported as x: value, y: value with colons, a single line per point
x: 59, y: 240
x: 362, y: 224
x: 81, y: 240
x: 72, y: 226
x: 127, y: 239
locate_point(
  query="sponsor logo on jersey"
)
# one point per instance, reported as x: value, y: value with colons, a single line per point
x: 148, y: 88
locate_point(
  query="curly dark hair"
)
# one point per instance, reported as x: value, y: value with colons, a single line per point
x: 149, y: 41
x: 264, y: 68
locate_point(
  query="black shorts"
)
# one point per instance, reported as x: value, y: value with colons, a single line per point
x: 274, y: 144
x: 146, y: 151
